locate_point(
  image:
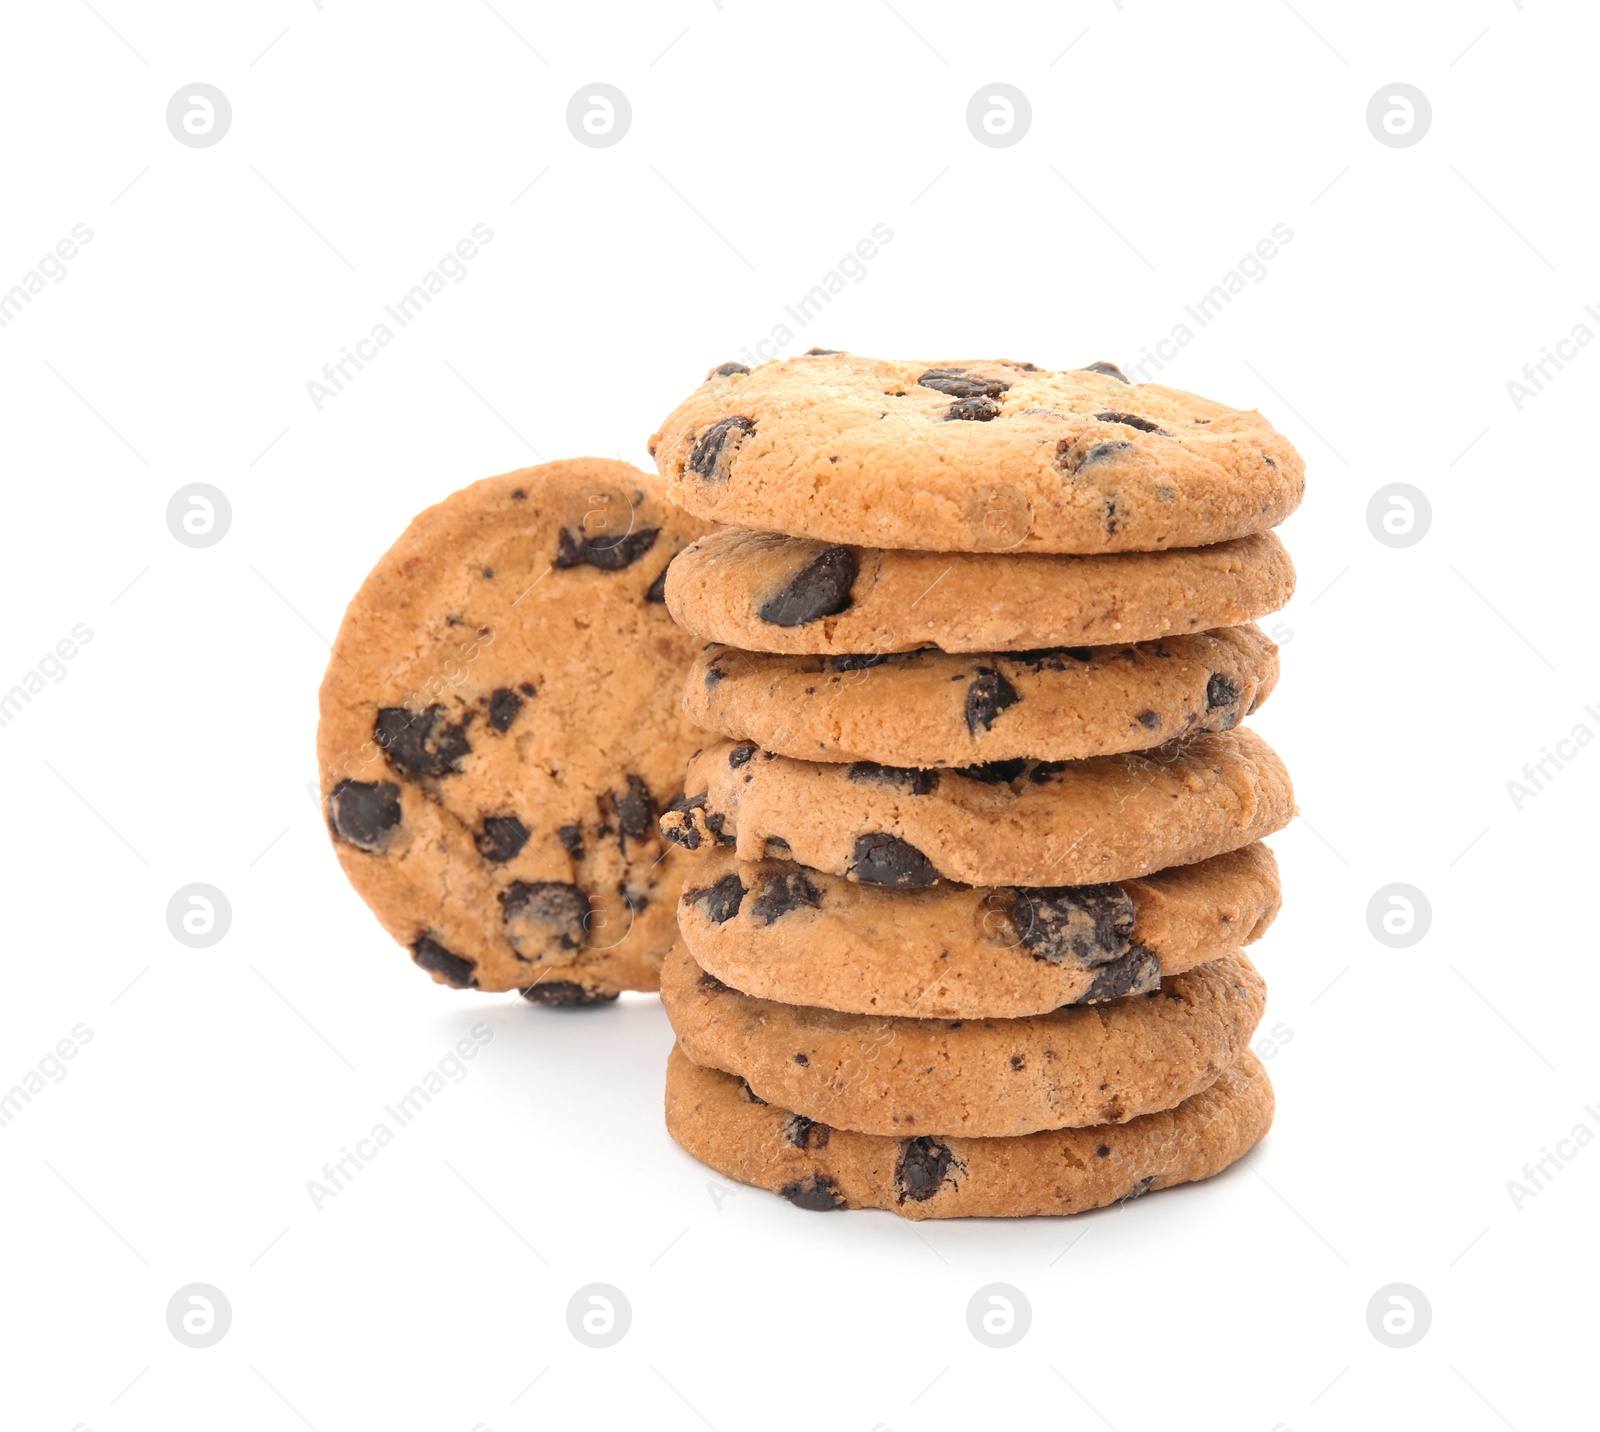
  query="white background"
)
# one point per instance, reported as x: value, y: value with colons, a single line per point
x: 766, y: 140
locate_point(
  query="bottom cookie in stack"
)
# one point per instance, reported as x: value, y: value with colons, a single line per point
x: 717, y: 1118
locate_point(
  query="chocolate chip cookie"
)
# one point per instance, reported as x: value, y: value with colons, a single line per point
x: 501, y: 724
x: 778, y: 931
x: 1005, y: 823
x: 932, y: 708
x: 762, y: 591
x: 718, y: 1120
x: 1086, y: 1064
x: 973, y: 457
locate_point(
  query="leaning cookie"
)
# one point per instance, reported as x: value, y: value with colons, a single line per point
x: 469, y: 801
x: 1094, y: 1064
x: 932, y: 709
x: 973, y: 457
x: 1008, y: 823
x: 715, y: 1117
x: 775, y: 930
x: 762, y: 591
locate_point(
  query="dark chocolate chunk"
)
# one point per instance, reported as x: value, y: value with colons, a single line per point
x: 1150, y: 720
x: 503, y: 707
x: 571, y: 838
x: 1110, y: 370
x: 544, y: 915
x: 957, y: 383
x: 995, y: 773
x: 1083, y: 925
x: 775, y: 847
x: 750, y: 1095
x: 726, y: 370
x: 717, y: 445
x: 678, y: 825
x: 1136, y: 972
x: 502, y: 837
x: 608, y: 553
x: 805, y: 1133
x: 903, y: 778
x: 1100, y: 452
x: 972, y: 410
x: 711, y: 982
x: 780, y: 894
x: 714, y: 674
x: 887, y: 860
x: 720, y: 901
x: 742, y: 753
x: 566, y: 994
x: 989, y: 695
x: 432, y: 956
x: 1220, y: 691
x: 821, y: 588
x: 635, y: 809
x: 1131, y: 420
x: 801, y: 1060
x: 924, y: 1166
x: 422, y: 744
x: 519, y: 494
x: 818, y: 1193
x: 657, y: 590
x: 1104, y: 1151
x: 820, y: 352
x: 854, y: 662
x: 364, y: 813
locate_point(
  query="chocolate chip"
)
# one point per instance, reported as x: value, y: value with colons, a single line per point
x: 775, y: 847
x: 709, y: 981
x: 805, y: 1133
x: 726, y: 370
x: 956, y: 383
x: 1104, y: 1151
x: 1150, y: 720
x: 801, y: 1060
x: 1136, y: 972
x: 433, y: 957
x: 571, y: 838
x: 609, y: 554
x: 363, y: 813
x: 780, y: 894
x: 1018, y: 1062
x: 1045, y: 770
x: 716, y: 448
x: 502, y: 837
x: 1110, y: 370
x: 544, y: 916
x: 901, y: 778
x: 678, y: 825
x: 852, y: 662
x: 750, y: 1095
x: 818, y: 1193
x: 714, y: 674
x: 657, y: 590
x: 821, y: 588
x: 989, y: 695
x: 1083, y: 925
x: 635, y: 809
x: 1100, y: 452
x: 740, y: 754
x: 566, y: 994
x: 422, y: 744
x: 924, y: 1166
x: 887, y: 860
x: 720, y: 902
x: 995, y: 773
x: 972, y: 410
x: 1131, y: 420
x: 504, y: 704
x: 519, y: 494
x: 820, y: 352
x: 1220, y: 692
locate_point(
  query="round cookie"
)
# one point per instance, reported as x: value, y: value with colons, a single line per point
x: 777, y: 931
x: 973, y: 457
x: 1086, y: 1064
x: 932, y: 708
x: 470, y: 799
x: 715, y: 1117
x: 1010, y: 823
x: 762, y: 591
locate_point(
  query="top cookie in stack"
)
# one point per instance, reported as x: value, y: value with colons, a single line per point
x: 981, y: 640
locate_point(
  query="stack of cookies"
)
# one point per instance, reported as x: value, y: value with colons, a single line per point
x: 981, y: 842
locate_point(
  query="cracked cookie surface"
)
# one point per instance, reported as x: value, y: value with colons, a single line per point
x: 973, y: 456
x: 468, y: 796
